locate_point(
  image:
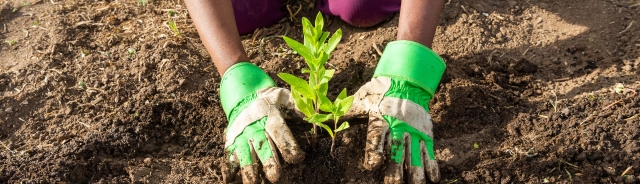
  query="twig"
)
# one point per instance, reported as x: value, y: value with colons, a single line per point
x: 629, y: 26
x: 5, y: 146
x: 375, y: 46
x: 626, y: 170
x: 568, y: 163
x: 587, y: 119
x: 570, y: 178
x: 525, y: 52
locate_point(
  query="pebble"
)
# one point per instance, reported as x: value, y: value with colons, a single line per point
x: 147, y: 160
x: 9, y: 110
x: 565, y: 111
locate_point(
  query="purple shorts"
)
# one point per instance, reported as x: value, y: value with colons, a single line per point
x: 253, y: 14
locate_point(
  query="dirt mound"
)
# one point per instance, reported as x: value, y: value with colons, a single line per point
x: 106, y: 92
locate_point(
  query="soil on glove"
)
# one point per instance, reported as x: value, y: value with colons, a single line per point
x: 106, y: 92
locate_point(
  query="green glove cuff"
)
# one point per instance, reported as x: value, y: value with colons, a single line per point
x: 240, y: 81
x: 413, y: 62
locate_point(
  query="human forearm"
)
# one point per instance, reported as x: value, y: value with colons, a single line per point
x: 216, y: 26
x: 418, y: 20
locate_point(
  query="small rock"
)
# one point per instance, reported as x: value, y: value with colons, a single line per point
x: 9, y: 110
x: 147, y: 160
x: 565, y: 112
x: 610, y: 170
x: 512, y: 3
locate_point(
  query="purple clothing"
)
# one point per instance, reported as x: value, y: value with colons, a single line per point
x: 360, y: 13
x: 253, y: 14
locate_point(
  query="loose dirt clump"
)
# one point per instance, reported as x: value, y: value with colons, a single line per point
x: 527, y: 97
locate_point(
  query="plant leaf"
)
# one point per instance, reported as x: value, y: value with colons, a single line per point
x: 328, y: 74
x: 298, y: 47
x: 323, y: 38
x: 333, y: 42
x: 343, y: 94
x: 325, y: 104
x: 298, y: 84
x: 319, y: 24
x: 345, y: 105
x: 322, y: 58
x: 302, y: 103
x: 319, y: 118
x: 322, y: 88
x: 343, y: 126
x: 326, y: 128
x: 304, y: 70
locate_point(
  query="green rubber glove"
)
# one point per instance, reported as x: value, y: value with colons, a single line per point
x: 256, y: 127
x: 396, y: 102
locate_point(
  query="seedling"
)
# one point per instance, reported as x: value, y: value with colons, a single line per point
x: 11, y: 42
x: 26, y: 4
x: 311, y: 96
x: 36, y: 23
x: 81, y: 84
x: 172, y: 13
x: 173, y: 27
x: 619, y: 88
x: 130, y: 52
x: 84, y: 53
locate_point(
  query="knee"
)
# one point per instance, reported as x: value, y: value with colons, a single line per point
x: 360, y: 13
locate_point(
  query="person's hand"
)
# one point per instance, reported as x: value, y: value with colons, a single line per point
x: 396, y: 102
x: 256, y: 128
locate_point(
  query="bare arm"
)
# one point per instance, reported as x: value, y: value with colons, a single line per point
x: 418, y: 20
x: 216, y: 26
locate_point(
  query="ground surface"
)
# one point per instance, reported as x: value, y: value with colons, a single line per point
x: 530, y: 82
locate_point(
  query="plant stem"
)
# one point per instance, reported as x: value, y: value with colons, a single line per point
x: 317, y: 108
x: 333, y: 139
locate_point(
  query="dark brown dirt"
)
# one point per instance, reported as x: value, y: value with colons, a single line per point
x: 530, y: 82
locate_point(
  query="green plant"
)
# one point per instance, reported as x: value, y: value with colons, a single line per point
x: 26, y: 4
x: 11, y: 42
x: 311, y: 96
x: 173, y: 27
x: 172, y: 13
x: 84, y: 53
x: 36, y: 23
x: 81, y: 84
x: 130, y: 52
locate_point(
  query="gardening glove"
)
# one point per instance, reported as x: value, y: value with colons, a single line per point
x: 256, y: 127
x: 396, y: 102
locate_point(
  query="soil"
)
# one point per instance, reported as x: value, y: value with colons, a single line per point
x: 529, y: 82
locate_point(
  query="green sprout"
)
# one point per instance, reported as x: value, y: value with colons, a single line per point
x: 173, y: 27
x: 130, y: 52
x: 311, y: 96
x: 81, y: 84
x: 26, y: 4
x: 172, y: 13
x: 36, y: 23
x: 475, y: 145
x: 619, y: 88
x: 11, y: 42
x: 84, y: 53
x: 14, y: 10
